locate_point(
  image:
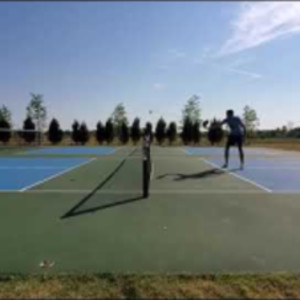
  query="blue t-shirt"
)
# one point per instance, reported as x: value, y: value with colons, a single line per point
x: 235, y: 125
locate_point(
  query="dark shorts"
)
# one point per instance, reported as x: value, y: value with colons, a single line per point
x: 235, y: 140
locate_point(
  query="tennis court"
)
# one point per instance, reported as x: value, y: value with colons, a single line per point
x: 88, y: 213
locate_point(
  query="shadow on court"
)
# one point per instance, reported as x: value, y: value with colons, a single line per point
x: 97, y: 200
x: 200, y: 175
x: 110, y: 201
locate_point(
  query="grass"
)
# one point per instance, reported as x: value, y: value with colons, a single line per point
x: 151, y: 286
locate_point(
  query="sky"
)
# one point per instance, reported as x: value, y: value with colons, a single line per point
x: 85, y: 58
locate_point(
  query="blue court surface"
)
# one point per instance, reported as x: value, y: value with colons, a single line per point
x: 277, y: 175
x: 75, y: 150
x: 276, y: 171
x: 17, y: 174
x: 233, y: 151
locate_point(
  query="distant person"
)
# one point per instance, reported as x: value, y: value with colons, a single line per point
x: 235, y: 137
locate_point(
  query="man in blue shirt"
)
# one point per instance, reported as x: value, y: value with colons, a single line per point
x: 235, y: 137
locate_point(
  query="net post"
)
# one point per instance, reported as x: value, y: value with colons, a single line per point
x: 146, y: 166
x: 145, y: 179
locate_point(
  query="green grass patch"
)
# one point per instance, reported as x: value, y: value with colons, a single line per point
x: 280, y: 285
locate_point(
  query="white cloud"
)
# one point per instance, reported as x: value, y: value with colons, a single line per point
x: 245, y: 73
x: 235, y: 67
x: 261, y: 22
x: 158, y: 86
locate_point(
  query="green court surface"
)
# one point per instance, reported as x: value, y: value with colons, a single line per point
x: 197, y: 219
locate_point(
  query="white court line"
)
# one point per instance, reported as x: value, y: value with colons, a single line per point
x: 56, y: 175
x: 9, y: 191
x: 238, y: 176
x: 125, y: 192
x: 30, y: 168
x: 273, y: 168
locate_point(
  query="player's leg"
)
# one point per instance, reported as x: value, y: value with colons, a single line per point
x: 227, y: 147
x: 241, y: 152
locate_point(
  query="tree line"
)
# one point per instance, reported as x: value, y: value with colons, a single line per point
x: 191, y: 131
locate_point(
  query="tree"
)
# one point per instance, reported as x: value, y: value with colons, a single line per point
x: 37, y: 112
x: 5, y: 133
x: 215, y: 132
x: 192, y: 110
x: 160, y: 131
x: 148, y: 130
x: 83, y: 134
x: 5, y: 124
x: 109, y: 131
x: 5, y: 114
x: 100, y: 133
x: 124, y: 134
x: 251, y: 120
x: 172, y: 132
x: 119, y: 117
x: 75, y: 132
x: 29, y: 134
x: 187, y: 131
x: 196, y: 132
x: 55, y: 134
x: 135, y: 130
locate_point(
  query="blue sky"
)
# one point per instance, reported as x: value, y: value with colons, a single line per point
x: 85, y: 58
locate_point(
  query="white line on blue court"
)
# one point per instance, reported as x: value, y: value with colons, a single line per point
x: 238, y: 176
x: 30, y: 168
x: 56, y: 175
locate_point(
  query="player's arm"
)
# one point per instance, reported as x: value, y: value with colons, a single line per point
x: 223, y: 122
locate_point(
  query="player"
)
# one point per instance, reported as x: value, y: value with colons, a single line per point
x: 235, y: 137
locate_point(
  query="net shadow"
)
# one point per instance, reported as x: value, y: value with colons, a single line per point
x: 78, y: 210
x: 110, y: 200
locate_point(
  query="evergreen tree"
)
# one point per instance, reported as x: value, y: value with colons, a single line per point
x: 160, y: 131
x: 75, y: 132
x: 196, y: 132
x: 83, y: 134
x: 29, y: 135
x: 124, y: 134
x: 215, y: 132
x: 187, y: 131
x: 172, y: 132
x: 55, y: 134
x: 100, y: 133
x: 135, y: 131
x: 109, y: 131
x: 5, y: 133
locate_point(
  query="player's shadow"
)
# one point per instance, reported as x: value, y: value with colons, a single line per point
x: 204, y: 174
